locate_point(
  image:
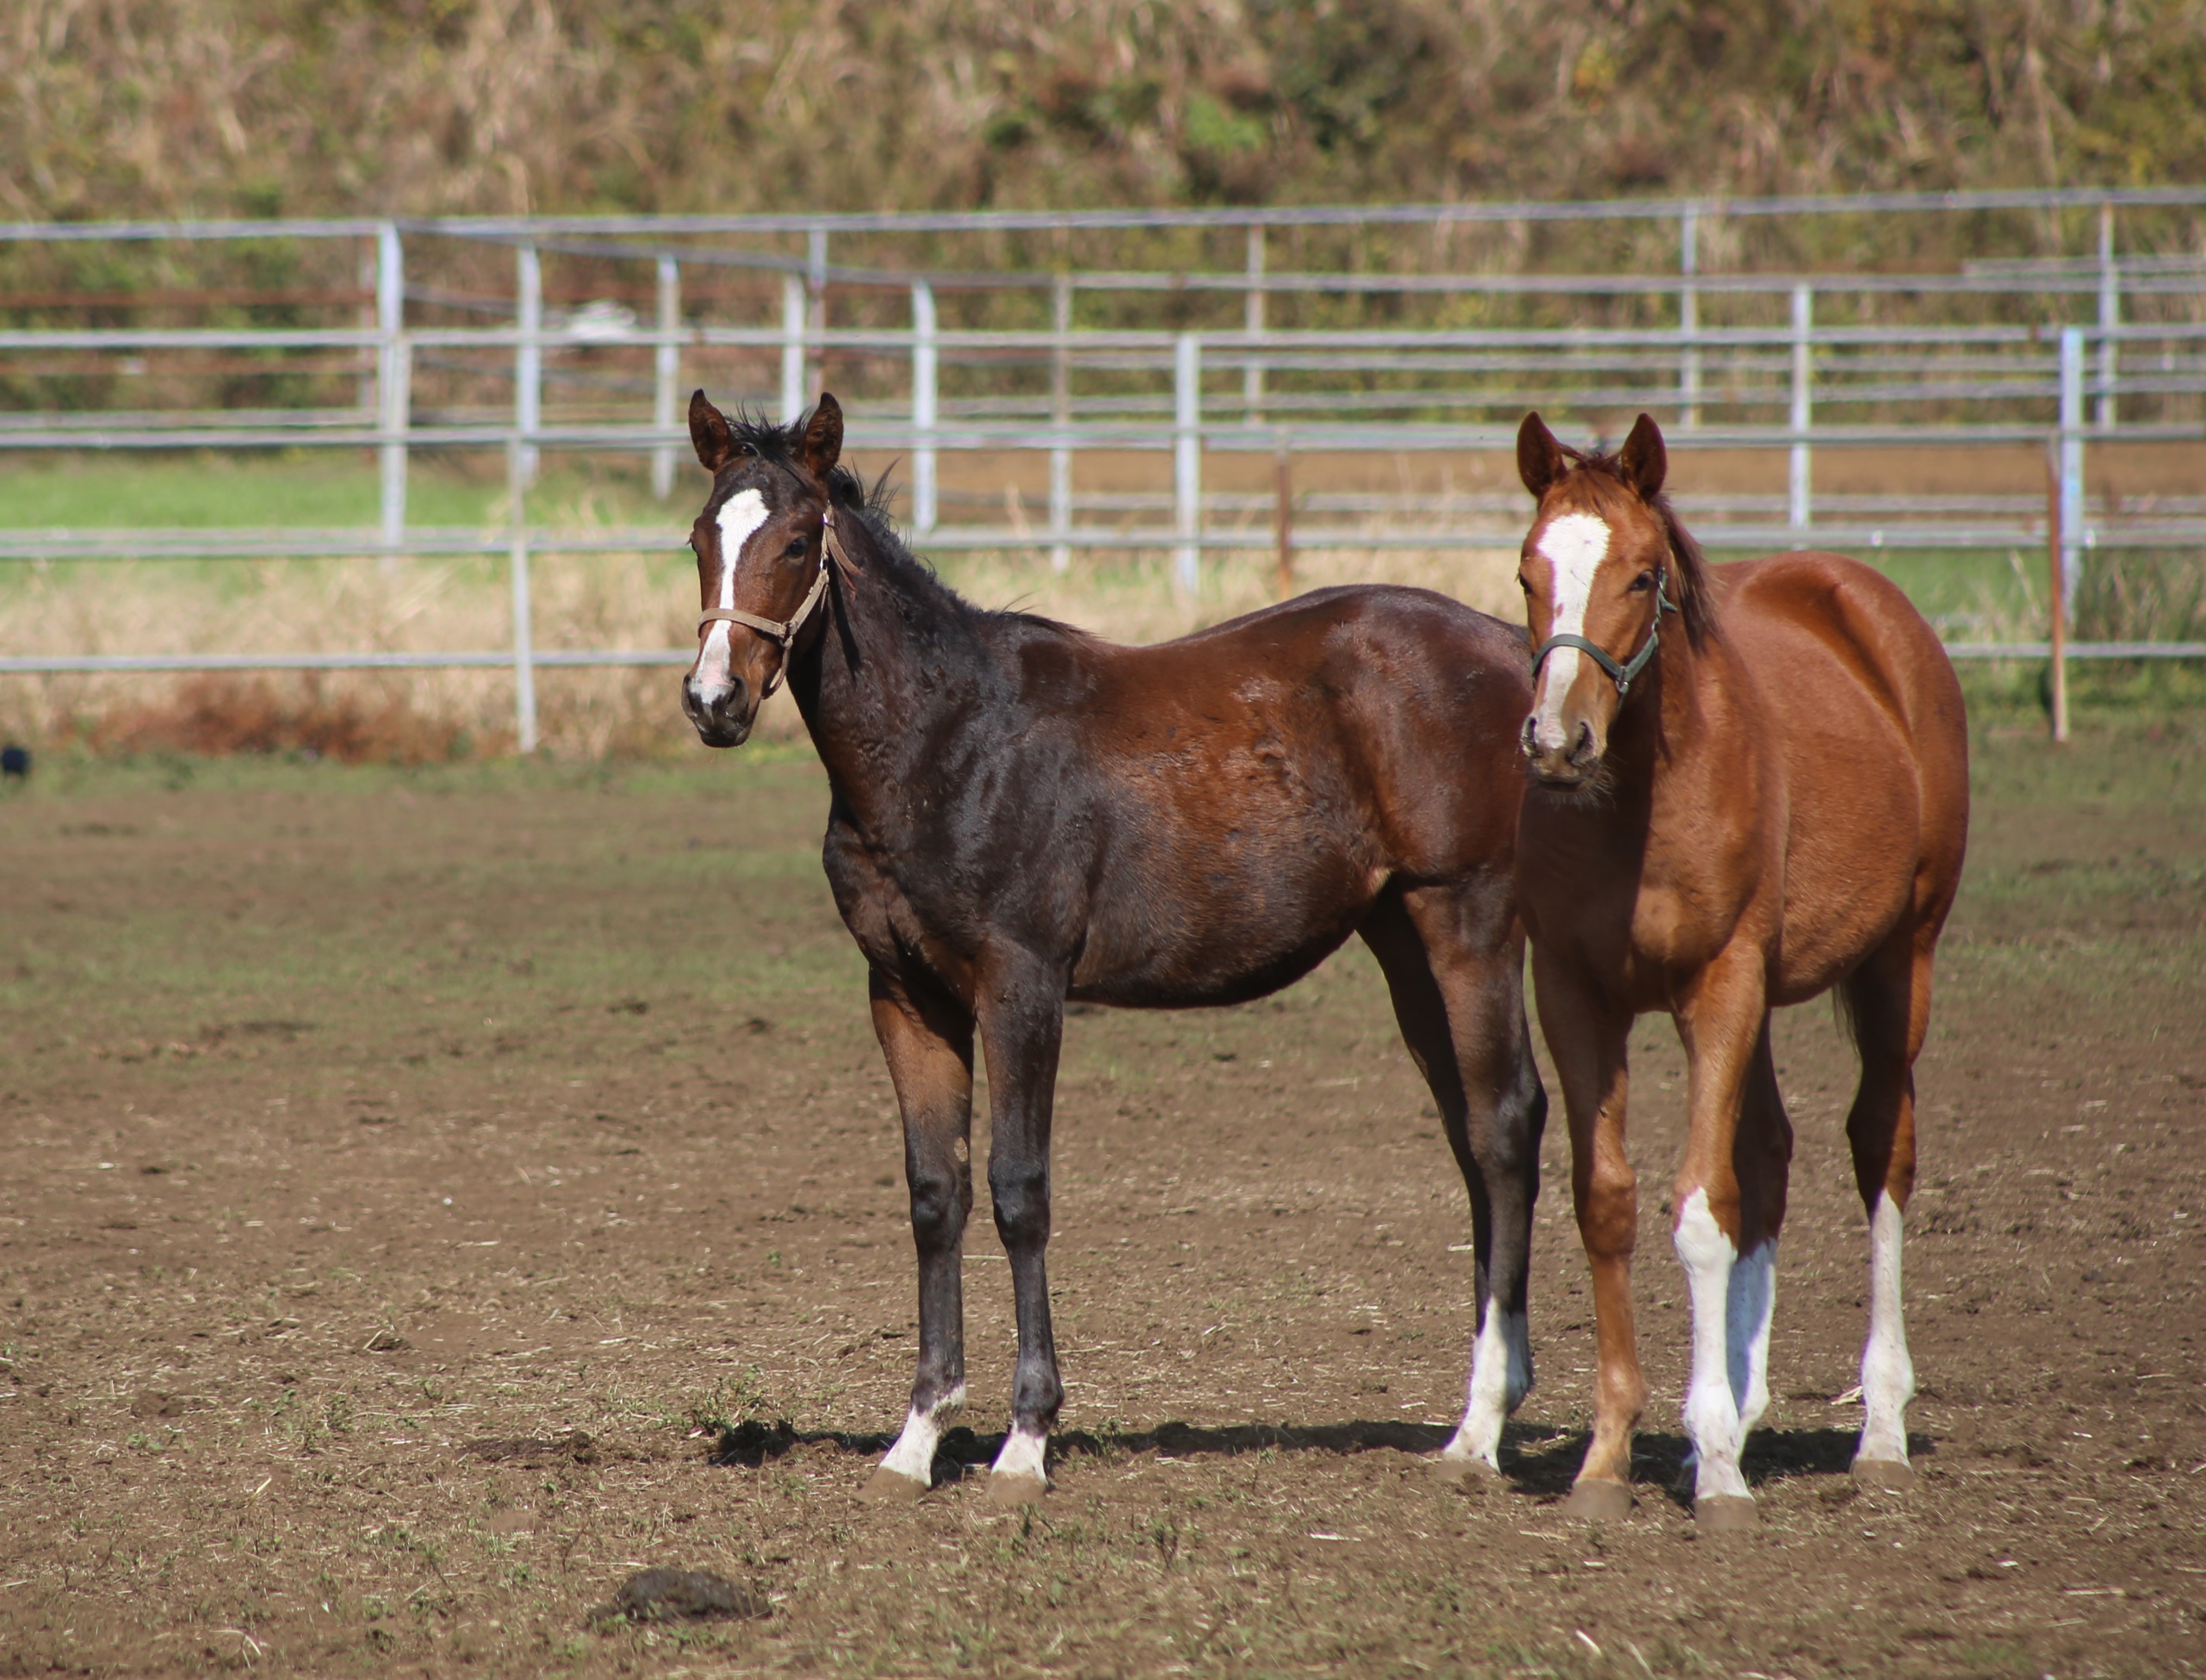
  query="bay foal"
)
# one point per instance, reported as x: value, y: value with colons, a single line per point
x: 1021, y: 813
x: 1751, y: 785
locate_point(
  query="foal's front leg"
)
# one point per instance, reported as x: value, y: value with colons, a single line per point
x: 1021, y: 1027
x: 928, y: 1041
x: 1729, y: 1201
x: 1589, y: 1037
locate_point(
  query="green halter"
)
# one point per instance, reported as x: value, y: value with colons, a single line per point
x: 1624, y: 675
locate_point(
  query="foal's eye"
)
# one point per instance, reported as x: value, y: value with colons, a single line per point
x: 1524, y: 583
x: 795, y: 549
x: 1642, y: 583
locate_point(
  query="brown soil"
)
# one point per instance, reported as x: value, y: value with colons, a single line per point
x: 432, y: 1198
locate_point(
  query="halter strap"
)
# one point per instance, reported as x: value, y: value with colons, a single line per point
x: 1625, y: 674
x: 783, y: 631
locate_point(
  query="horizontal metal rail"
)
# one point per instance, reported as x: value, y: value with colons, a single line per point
x: 1409, y: 439
x: 430, y: 660
x: 1006, y: 221
x: 582, y: 658
x: 1956, y: 534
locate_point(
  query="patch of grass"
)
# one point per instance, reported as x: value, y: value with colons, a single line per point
x: 729, y: 1402
x: 209, y: 490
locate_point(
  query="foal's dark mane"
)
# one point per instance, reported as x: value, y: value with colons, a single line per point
x: 1696, y: 605
x: 872, y: 507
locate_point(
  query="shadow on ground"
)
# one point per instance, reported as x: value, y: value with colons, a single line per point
x: 1537, y: 1460
x: 1663, y: 1462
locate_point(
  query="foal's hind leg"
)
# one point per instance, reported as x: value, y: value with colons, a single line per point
x: 1455, y: 966
x: 1022, y: 1028
x: 929, y: 1042
x: 1888, y: 998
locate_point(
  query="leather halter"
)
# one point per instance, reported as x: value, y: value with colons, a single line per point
x: 1627, y: 673
x: 783, y: 631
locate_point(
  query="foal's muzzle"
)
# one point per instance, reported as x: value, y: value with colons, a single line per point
x: 1566, y: 766
x: 720, y: 713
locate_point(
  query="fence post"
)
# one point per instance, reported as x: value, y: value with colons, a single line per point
x: 2072, y: 534
x: 1283, y: 514
x: 2057, y: 615
x: 923, y: 460
x: 528, y: 354
x: 393, y: 397
x: 666, y: 368
x: 1060, y: 417
x: 368, y: 256
x: 1688, y: 317
x: 792, y: 347
x: 1803, y: 372
x: 1252, y: 377
x: 815, y: 315
x: 2110, y: 317
x: 1187, y: 462
x: 524, y: 652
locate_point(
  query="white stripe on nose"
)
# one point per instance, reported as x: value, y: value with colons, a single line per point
x: 1574, y: 544
x: 740, y: 517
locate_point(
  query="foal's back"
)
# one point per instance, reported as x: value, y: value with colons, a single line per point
x: 1242, y: 793
x: 1866, y: 720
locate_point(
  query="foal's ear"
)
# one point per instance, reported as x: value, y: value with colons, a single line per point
x: 823, y: 436
x: 1645, y: 461
x: 1539, y: 460
x: 708, y: 432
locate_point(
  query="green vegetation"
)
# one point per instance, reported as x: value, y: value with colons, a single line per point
x: 425, y: 106
x: 204, y: 489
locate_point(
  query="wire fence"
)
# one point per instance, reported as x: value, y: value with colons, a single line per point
x: 949, y: 339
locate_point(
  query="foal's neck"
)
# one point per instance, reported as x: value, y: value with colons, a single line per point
x: 1691, y: 724
x: 896, y: 653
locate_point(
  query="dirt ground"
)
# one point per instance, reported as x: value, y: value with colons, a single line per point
x: 430, y: 1197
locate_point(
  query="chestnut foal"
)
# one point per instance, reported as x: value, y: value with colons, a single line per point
x: 1022, y: 813
x: 1763, y: 798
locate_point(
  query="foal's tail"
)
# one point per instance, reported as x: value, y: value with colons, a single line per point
x: 1842, y: 1012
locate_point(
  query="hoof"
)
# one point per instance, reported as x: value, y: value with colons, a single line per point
x: 1597, y: 1500
x: 1008, y: 1488
x: 1726, y: 1514
x: 893, y: 1487
x: 1884, y: 1473
x: 1463, y: 1470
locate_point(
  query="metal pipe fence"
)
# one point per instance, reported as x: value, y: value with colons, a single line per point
x: 2088, y: 351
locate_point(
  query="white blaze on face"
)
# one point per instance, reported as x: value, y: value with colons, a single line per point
x: 1733, y: 1296
x: 1573, y: 544
x: 740, y: 517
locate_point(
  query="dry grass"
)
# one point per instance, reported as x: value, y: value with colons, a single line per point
x: 599, y: 601
x: 321, y: 606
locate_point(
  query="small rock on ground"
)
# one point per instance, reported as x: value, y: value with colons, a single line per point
x: 680, y: 1595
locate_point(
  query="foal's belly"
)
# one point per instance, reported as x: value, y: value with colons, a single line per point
x: 1220, y: 926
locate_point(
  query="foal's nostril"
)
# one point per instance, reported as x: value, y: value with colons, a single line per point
x: 701, y: 699
x: 1584, y: 750
x: 1528, y: 737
